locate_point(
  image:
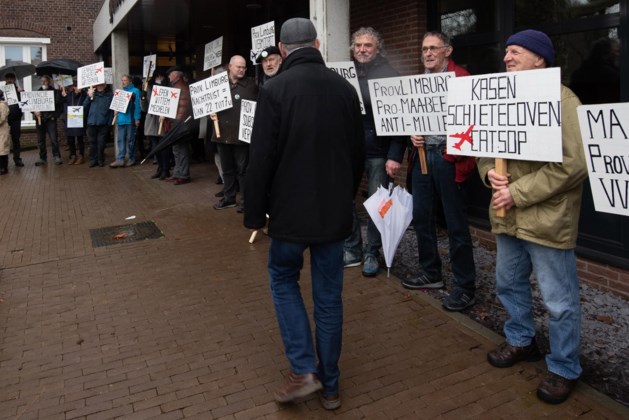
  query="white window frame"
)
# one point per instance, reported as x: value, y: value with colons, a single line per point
x: 26, y: 44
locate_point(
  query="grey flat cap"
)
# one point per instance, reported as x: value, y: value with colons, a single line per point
x: 297, y: 31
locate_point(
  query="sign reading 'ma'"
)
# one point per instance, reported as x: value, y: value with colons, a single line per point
x: 605, y: 135
x: 513, y: 115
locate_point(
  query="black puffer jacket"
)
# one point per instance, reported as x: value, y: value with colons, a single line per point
x: 307, y: 153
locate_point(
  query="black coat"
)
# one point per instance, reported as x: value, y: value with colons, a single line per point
x: 307, y: 153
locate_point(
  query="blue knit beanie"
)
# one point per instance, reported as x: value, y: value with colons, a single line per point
x: 535, y: 41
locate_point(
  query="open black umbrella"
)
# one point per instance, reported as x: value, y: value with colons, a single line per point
x: 58, y: 66
x: 19, y: 68
x: 179, y: 131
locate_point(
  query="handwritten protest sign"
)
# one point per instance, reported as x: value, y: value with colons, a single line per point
x: 605, y: 134
x: 10, y: 94
x: 213, y: 54
x: 120, y: 101
x: 262, y: 36
x: 61, y: 80
x: 93, y: 74
x: 148, y: 65
x: 37, y: 101
x: 75, y: 117
x: 164, y: 101
x: 109, y: 76
x: 513, y: 115
x: 210, y: 95
x: 347, y: 69
x: 247, y: 111
x: 410, y: 104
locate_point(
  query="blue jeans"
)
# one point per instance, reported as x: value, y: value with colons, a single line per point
x: 439, y: 184
x: 556, y: 272
x: 326, y: 261
x: 126, y: 137
x: 376, y: 176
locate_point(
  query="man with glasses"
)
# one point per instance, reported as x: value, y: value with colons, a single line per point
x: 443, y: 181
x: 128, y: 123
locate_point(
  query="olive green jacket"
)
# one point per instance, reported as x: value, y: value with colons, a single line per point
x: 547, y: 195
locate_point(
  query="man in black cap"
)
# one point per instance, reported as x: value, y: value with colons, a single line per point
x: 307, y: 154
x: 270, y: 59
x: 539, y: 233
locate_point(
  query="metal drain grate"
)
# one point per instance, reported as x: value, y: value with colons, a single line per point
x: 124, y: 234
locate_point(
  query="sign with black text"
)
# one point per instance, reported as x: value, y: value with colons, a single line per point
x: 605, y: 135
x: 213, y: 55
x: 513, y: 115
x: 120, y: 101
x: 75, y: 116
x: 37, y: 101
x: 10, y: 94
x: 262, y: 36
x: 210, y: 95
x: 410, y: 104
x: 164, y: 101
x: 148, y: 65
x: 247, y: 111
x: 347, y: 70
x: 91, y: 75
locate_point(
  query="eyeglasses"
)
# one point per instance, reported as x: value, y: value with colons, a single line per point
x: 433, y: 49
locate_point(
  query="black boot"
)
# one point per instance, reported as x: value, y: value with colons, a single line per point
x: 4, y: 165
x: 157, y: 173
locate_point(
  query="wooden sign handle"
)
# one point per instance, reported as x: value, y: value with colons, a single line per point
x: 217, y: 129
x: 161, y: 124
x: 421, y: 152
x: 501, y: 169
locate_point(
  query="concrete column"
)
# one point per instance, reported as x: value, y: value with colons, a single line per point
x: 331, y: 18
x: 119, y: 64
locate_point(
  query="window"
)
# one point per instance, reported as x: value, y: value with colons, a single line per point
x: 29, y: 50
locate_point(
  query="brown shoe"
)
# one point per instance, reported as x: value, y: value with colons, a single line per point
x: 554, y: 389
x: 72, y: 160
x: 297, y: 386
x: 507, y: 355
x: 79, y: 161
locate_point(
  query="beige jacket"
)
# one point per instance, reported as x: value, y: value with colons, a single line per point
x: 547, y: 195
x: 5, y: 144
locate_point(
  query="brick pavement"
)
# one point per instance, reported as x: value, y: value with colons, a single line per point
x: 183, y: 326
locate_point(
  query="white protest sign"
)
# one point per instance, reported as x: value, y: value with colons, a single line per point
x: 109, y: 76
x: 120, y: 101
x: 347, y: 69
x: 61, y: 80
x: 75, y: 116
x: 410, y: 104
x: 93, y: 74
x: 262, y: 36
x: 213, y: 54
x: 164, y: 101
x: 10, y: 94
x: 247, y: 111
x: 148, y: 65
x: 210, y: 95
x: 37, y: 101
x: 605, y: 134
x: 513, y: 115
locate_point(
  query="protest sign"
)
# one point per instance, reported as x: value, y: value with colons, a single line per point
x: 210, y: 95
x: 61, y: 80
x: 262, y: 36
x: 148, y: 65
x: 247, y: 111
x: 410, y: 104
x: 91, y: 75
x: 605, y: 135
x: 213, y: 54
x: 164, y: 101
x: 10, y: 94
x: 109, y: 76
x: 37, y: 101
x: 347, y: 69
x: 121, y: 100
x: 75, y: 116
x: 513, y: 115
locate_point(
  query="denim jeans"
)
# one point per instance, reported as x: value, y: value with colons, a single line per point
x: 126, y: 137
x: 326, y: 261
x: 556, y: 272
x: 439, y: 184
x: 376, y: 176
x: 49, y: 127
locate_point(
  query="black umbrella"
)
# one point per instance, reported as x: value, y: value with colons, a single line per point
x: 19, y: 68
x: 58, y: 66
x: 179, y: 131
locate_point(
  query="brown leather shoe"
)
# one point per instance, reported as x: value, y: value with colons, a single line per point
x: 297, y: 386
x: 79, y: 161
x: 555, y: 389
x: 507, y: 355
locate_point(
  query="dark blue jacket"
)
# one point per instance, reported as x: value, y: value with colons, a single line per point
x: 97, y: 110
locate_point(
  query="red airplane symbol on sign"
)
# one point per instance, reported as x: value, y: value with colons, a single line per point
x: 173, y: 95
x: 99, y: 69
x: 128, y: 95
x: 154, y: 91
x: 117, y: 93
x: 465, y: 137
